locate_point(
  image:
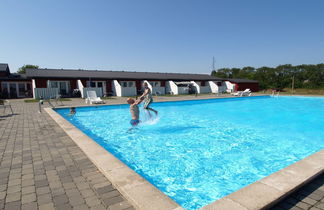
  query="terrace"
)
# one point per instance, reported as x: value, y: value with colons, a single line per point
x: 42, y: 167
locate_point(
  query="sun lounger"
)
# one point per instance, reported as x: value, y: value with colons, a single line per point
x: 5, y: 104
x: 246, y: 92
x: 93, y: 99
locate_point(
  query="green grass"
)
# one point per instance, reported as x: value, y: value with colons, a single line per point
x: 107, y: 98
x: 37, y: 100
x: 299, y: 91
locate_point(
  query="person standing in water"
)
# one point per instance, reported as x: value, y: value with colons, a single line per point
x: 134, y: 110
x: 148, y: 98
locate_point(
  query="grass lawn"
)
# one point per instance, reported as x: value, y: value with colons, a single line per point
x: 37, y: 100
x: 299, y: 91
x: 107, y: 98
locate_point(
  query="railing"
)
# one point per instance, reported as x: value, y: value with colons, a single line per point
x: 128, y: 91
x: 160, y: 90
x: 205, y: 89
x: 183, y: 90
x: 45, y: 93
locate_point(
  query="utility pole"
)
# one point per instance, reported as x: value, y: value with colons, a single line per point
x: 213, y: 64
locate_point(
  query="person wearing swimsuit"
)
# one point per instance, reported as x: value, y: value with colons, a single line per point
x: 134, y: 110
x: 148, y: 99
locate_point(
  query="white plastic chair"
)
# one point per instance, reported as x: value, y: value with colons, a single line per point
x: 92, y: 98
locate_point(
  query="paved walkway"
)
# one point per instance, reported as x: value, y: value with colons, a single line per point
x: 311, y: 196
x: 42, y: 168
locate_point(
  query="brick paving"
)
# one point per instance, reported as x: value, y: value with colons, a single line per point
x: 311, y: 196
x: 42, y: 168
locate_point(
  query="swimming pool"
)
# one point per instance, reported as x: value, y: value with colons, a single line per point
x: 200, y: 151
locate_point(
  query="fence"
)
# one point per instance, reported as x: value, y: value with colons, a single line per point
x: 45, y: 93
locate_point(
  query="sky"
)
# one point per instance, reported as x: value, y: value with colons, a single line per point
x: 160, y: 36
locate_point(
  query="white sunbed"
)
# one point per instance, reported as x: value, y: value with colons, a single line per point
x: 246, y: 92
x: 93, y: 99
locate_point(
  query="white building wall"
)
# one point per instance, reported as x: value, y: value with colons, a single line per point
x: 171, y: 86
x: 196, y: 85
x: 229, y: 87
x: 213, y: 87
x: 80, y: 87
x: 33, y: 87
x: 117, y: 88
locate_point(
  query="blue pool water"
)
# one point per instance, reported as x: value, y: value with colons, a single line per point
x: 200, y: 151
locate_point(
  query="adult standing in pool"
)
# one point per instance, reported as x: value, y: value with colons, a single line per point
x: 148, y: 98
x: 134, y: 110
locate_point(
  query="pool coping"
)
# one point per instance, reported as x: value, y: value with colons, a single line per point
x: 143, y: 195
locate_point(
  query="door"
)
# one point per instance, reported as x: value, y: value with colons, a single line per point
x: 63, y: 88
x: 21, y: 89
x: 13, y: 90
x: 103, y: 86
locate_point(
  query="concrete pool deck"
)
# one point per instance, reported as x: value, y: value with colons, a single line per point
x: 42, y: 135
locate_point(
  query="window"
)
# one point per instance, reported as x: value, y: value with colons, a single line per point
x: 127, y: 84
x: 63, y: 86
x: 53, y: 84
x: 130, y: 84
x: 155, y: 84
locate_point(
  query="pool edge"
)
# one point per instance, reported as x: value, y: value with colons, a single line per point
x: 139, y: 192
x: 270, y: 190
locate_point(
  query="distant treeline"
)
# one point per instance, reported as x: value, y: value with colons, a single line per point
x: 304, y: 76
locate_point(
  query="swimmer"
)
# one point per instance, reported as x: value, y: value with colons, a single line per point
x: 134, y: 110
x: 148, y: 99
x: 72, y: 111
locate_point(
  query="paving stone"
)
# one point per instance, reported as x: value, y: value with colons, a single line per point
x: 105, y: 189
x: 76, y: 200
x: 320, y: 205
x: 81, y: 207
x: 112, y: 201
x: 60, y: 199
x: 120, y: 206
x: 42, y: 190
x: 98, y: 207
x: 29, y: 206
x: 41, y: 183
x: 3, y: 195
x: 92, y: 201
x: 13, y: 197
x: 13, y: 189
x: 44, y: 199
x: 58, y: 191
x: 63, y: 207
x: 110, y: 194
x: 28, y: 198
x: 309, y: 201
x: 87, y: 193
x: 27, y: 190
x: 48, y: 206
x: 13, y: 205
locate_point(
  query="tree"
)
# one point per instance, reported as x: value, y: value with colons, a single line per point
x: 22, y: 70
x: 282, y: 76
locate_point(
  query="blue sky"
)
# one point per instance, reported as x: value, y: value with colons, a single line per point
x: 161, y: 36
